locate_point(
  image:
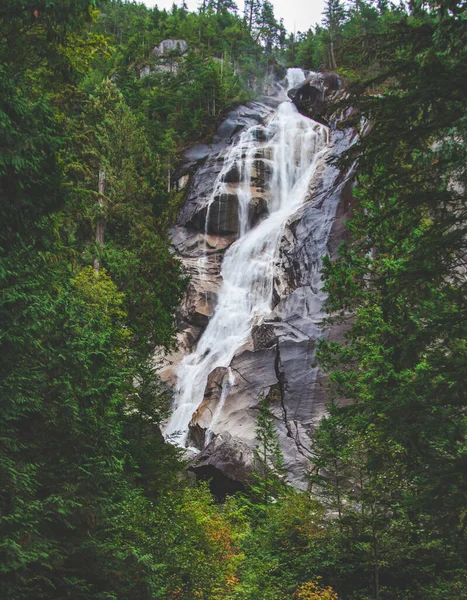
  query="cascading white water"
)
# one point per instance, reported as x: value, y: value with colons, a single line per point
x: 294, y: 147
x: 295, y: 77
x: 226, y: 386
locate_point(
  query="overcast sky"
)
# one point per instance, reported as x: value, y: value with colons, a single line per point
x: 298, y: 15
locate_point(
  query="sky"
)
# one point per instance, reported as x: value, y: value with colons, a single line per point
x: 298, y: 15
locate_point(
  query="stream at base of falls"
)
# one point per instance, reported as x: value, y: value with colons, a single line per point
x: 293, y: 147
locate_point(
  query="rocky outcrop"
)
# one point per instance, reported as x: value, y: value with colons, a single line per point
x: 201, y: 252
x: 312, y: 97
x: 170, y: 48
x: 220, y: 216
x: 166, y: 58
x: 226, y: 463
x: 278, y: 359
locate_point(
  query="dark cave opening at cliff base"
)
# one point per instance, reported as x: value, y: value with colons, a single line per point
x: 220, y: 485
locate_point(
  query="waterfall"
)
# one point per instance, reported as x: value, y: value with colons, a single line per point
x: 295, y: 77
x: 292, y: 147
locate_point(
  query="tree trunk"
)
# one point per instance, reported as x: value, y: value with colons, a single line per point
x: 375, y: 557
x: 100, y: 223
x: 250, y: 23
x: 333, y: 56
x: 338, y: 489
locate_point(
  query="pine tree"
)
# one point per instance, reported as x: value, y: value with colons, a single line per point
x: 268, y: 27
x: 403, y: 359
x: 252, y: 13
x: 269, y: 469
x: 334, y: 16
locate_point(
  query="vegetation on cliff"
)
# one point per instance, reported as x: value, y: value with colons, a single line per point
x: 92, y: 501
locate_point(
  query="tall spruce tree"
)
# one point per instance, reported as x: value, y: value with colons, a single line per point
x: 333, y: 18
x: 402, y: 281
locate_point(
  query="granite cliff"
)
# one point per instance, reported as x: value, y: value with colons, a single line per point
x: 263, y: 206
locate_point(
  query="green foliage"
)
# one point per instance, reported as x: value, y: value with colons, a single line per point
x: 286, y: 549
x: 390, y: 462
x: 109, y: 138
x: 61, y: 387
x: 183, y: 97
x: 72, y: 340
x: 269, y: 468
x: 93, y: 503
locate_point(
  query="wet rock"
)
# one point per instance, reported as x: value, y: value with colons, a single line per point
x: 243, y: 117
x: 260, y: 134
x: 309, y: 99
x: 201, y: 315
x: 232, y: 175
x: 198, y: 152
x: 263, y: 152
x: 229, y: 128
x: 278, y: 360
x: 196, y: 436
x: 261, y: 172
x: 222, y: 214
x: 264, y: 336
x: 202, y: 417
x: 205, y: 162
x: 257, y: 210
x: 312, y: 97
x: 216, y: 380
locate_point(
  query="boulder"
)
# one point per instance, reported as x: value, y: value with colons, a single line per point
x: 232, y: 175
x: 311, y: 98
x: 226, y: 463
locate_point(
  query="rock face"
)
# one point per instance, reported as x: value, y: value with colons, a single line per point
x: 276, y: 359
x: 167, y: 57
x: 226, y: 462
x: 170, y: 47
x: 312, y: 97
x: 201, y: 251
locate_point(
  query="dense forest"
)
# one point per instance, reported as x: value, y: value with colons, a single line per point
x: 93, y: 503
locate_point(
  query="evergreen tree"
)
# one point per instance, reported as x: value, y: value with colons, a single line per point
x: 306, y: 50
x: 268, y: 27
x: 404, y: 356
x: 252, y: 13
x: 92, y: 504
x: 269, y: 471
x: 334, y: 16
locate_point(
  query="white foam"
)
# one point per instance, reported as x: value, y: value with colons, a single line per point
x: 296, y: 146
